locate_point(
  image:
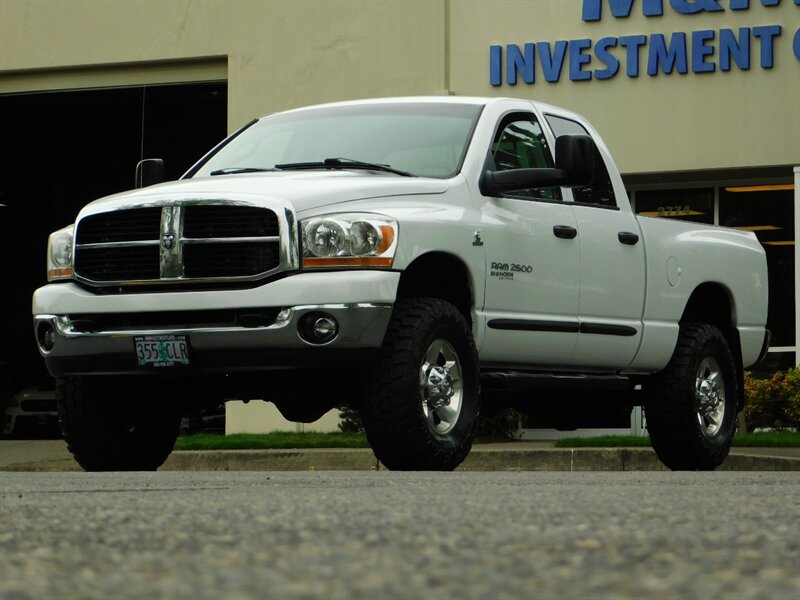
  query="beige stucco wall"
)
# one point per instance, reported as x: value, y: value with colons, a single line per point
x: 280, y: 54
x: 263, y: 417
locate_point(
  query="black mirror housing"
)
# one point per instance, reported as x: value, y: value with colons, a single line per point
x: 149, y: 171
x: 494, y: 183
x: 575, y: 156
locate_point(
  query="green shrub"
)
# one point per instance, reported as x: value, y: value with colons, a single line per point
x: 792, y: 383
x: 503, y: 423
x: 773, y: 402
x: 350, y: 420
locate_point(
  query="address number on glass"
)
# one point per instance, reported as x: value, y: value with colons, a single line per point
x: 161, y: 350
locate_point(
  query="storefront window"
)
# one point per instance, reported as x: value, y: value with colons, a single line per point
x: 685, y: 205
x: 768, y: 212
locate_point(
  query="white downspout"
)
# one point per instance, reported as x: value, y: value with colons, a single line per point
x: 797, y: 266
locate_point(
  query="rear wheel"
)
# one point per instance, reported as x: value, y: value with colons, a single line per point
x: 691, y: 413
x: 111, y: 427
x: 422, y: 403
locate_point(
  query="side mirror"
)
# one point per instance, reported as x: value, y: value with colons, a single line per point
x: 575, y: 157
x: 494, y: 183
x: 574, y: 168
x: 149, y: 172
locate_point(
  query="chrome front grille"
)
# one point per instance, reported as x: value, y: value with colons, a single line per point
x: 109, y: 263
x: 219, y: 221
x: 178, y: 243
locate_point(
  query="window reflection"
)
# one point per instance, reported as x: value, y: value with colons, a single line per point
x: 695, y: 205
x: 768, y: 211
x: 765, y: 210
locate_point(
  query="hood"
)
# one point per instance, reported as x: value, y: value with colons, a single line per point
x: 302, y: 189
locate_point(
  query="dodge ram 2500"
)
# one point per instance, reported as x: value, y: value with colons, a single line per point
x: 409, y: 257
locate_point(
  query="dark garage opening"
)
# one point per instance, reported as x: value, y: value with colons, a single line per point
x: 59, y: 151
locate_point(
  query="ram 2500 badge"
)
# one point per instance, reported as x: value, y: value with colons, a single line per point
x: 413, y: 258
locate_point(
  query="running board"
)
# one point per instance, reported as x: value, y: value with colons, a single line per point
x: 496, y: 381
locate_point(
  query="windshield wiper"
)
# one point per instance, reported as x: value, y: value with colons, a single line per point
x: 343, y: 163
x: 237, y: 170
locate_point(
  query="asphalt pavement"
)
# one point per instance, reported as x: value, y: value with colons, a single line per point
x: 385, y: 535
x: 52, y: 455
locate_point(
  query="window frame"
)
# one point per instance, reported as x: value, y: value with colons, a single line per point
x: 598, y: 154
x: 502, y: 124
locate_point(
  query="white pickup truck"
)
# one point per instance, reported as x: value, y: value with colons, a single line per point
x: 409, y: 257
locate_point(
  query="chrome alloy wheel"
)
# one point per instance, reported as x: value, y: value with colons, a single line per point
x: 441, y: 387
x: 710, y: 395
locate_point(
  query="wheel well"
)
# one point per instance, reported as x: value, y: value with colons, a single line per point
x: 438, y: 275
x: 711, y: 303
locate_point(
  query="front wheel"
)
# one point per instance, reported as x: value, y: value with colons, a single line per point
x: 691, y: 413
x: 111, y: 427
x: 422, y: 401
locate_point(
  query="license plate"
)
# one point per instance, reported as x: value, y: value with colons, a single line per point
x: 161, y: 350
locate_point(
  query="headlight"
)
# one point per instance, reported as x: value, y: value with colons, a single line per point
x: 349, y: 240
x: 59, y: 254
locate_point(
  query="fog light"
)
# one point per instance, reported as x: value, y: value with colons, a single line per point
x: 46, y: 336
x: 324, y: 328
x: 318, y: 328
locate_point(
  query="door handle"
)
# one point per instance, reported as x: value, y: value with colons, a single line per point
x: 565, y: 232
x: 626, y: 237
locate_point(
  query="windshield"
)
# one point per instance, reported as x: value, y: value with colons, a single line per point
x: 422, y: 139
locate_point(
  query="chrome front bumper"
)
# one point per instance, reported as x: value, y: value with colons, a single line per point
x: 75, y: 349
x: 278, y: 345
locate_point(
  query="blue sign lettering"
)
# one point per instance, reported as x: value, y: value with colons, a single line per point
x: 767, y: 34
x: 602, y: 54
x: 592, y: 9
x: 577, y: 59
x: 745, y: 4
x: 731, y: 47
x: 632, y: 43
x: 700, y: 50
x: 621, y: 9
x: 796, y: 44
x: 692, y: 7
x: 666, y: 58
x: 522, y: 62
x: 665, y: 53
x: 495, y: 65
x: 552, y: 62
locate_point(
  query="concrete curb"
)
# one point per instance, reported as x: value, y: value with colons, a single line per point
x: 314, y: 459
x: 536, y: 459
x: 480, y: 459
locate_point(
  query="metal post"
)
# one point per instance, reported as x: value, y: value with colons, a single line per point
x: 796, y: 265
x: 637, y: 422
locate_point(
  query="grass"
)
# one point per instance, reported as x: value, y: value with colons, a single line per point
x: 285, y: 440
x: 772, y: 439
x: 280, y: 440
x: 766, y: 439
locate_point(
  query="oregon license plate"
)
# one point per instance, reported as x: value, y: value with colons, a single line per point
x: 161, y: 350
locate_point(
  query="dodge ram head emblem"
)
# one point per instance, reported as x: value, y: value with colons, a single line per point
x: 168, y: 241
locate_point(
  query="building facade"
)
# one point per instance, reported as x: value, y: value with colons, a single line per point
x: 698, y: 100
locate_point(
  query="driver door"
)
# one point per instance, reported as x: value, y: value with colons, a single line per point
x: 532, y: 257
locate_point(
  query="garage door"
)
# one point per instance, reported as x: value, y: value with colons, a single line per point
x: 60, y: 150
